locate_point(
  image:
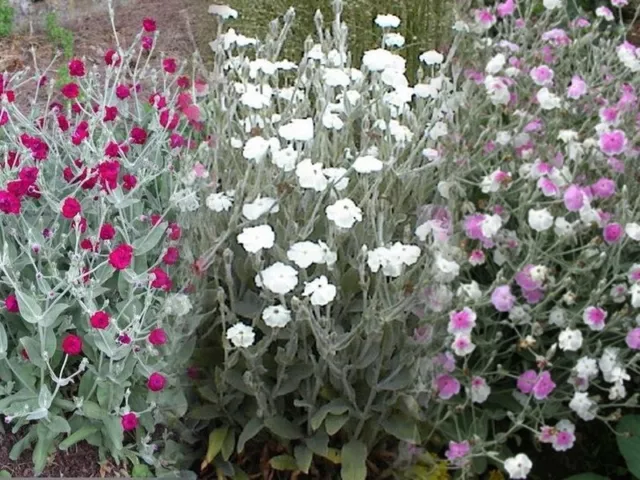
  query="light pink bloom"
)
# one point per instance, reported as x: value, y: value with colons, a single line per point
x: 506, y: 8
x: 604, y: 188
x: 577, y: 88
x: 573, y: 198
x: 502, y: 298
x: 563, y: 441
x: 633, y: 339
x: 595, y: 318
x: 457, y: 451
x: 485, y: 18
x: 542, y: 75
x: 447, y: 386
x: 613, y: 142
x: 462, y: 321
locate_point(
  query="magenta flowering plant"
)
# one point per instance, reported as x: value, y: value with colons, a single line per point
x: 97, y: 321
x: 454, y: 256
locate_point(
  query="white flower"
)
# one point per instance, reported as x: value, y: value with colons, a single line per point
x: 635, y: 295
x: 547, y: 100
x: 562, y: 227
x: 379, y: 60
x: 276, y: 316
x: 432, y: 57
x: 540, y: 220
x: 344, y: 213
x: 278, y: 278
x: 448, y: 268
x: 254, y: 98
x: 335, y: 77
x: 400, y: 133
x: 586, y: 368
x: 479, y: 390
x: 332, y: 121
x: 236, y: 143
x: 310, y: 175
x: 462, y: 345
x: 497, y: 90
x: 471, y: 290
x: 491, y: 225
x: 604, y: 12
x: 220, y: 201
x: 495, y: 64
x: 518, y: 466
x: 299, y: 130
x: 329, y: 257
x: 223, y: 11
x: 570, y: 340
x: 178, y: 304
x: 260, y: 206
x: 186, y: 200
x: 393, y: 40
x: 320, y: 291
x: 285, y: 159
x: 633, y: 231
x: 437, y: 130
x: 367, y: 164
x: 337, y: 177
x: 552, y: 4
x: 387, y: 21
x: 241, y: 335
x: 306, y: 253
x: 261, y: 65
x: 256, y: 149
x: 584, y: 407
x: 254, y: 239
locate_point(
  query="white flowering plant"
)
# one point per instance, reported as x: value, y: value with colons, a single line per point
x: 97, y: 325
x: 452, y: 259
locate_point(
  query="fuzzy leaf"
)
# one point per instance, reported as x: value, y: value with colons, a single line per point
x: 402, y: 428
x: 335, y: 407
x: 283, y: 462
x: 40, y: 454
x: 334, y: 423
x: 4, y: 344
x: 216, y: 440
x: 318, y: 443
x: 113, y: 431
x: 628, y: 438
x: 354, y: 461
x: 58, y: 424
x: 51, y: 315
x: 250, y: 430
x: 30, y: 310
x: 283, y: 428
x: 304, y: 457
x: 77, y: 436
x: 150, y: 240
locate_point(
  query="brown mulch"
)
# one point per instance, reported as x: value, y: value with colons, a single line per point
x: 79, y: 461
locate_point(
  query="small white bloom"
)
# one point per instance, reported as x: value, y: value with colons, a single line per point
x: 393, y: 40
x: 220, y: 201
x: 320, y: 291
x: 570, y: 340
x: 633, y: 231
x: 241, y: 335
x: 432, y: 57
x: 329, y: 257
x: 285, y: 159
x: 278, y: 278
x: 254, y: 98
x: 547, y: 100
x: 462, y: 345
x: 223, y: 11
x: 306, y: 253
x: 380, y: 59
x: 604, y: 12
x: 367, y: 164
x: 186, y: 200
x: 276, y: 316
x: 584, y: 407
x: 586, y: 368
x: 563, y: 228
x: 254, y: 239
x: 518, y: 467
x: 495, y: 64
x: 387, y: 21
x: 479, y: 390
x: 332, y: 121
x: 259, y: 207
x: 540, y: 220
x: 344, y: 213
x: 310, y: 175
x: 448, y: 268
x: 178, y: 304
x: 335, y: 77
x: 298, y: 130
x: 337, y: 177
x: 470, y: 290
x: 256, y: 149
x: 552, y: 4
x: 497, y: 90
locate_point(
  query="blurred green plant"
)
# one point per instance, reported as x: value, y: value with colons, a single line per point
x: 6, y: 18
x: 425, y: 23
x: 58, y: 35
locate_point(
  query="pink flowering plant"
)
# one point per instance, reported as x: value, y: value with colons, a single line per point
x: 97, y: 324
x: 453, y: 259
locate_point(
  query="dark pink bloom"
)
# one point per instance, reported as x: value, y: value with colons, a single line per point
x: 613, y: 233
x: 156, y: 382
x: 129, y: 421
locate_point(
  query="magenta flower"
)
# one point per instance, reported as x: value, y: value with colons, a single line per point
x: 604, y: 188
x: 613, y: 233
x: 526, y: 381
x: 595, y: 318
x: 609, y: 115
x: 506, y: 8
x: 633, y: 339
x: 502, y: 298
x: 462, y: 321
x: 563, y: 441
x: 573, y: 198
x: 457, y: 450
x: 613, y: 142
x: 544, y: 386
x: 447, y: 386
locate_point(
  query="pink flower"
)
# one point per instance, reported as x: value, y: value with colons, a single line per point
x: 76, y: 68
x: 613, y: 142
x: 129, y: 421
x: 480, y: 390
x: 542, y: 75
x: 578, y: 87
x: 502, y: 298
x: 123, y: 91
x: 506, y: 8
x: 526, y: 381
x: 544, y: 386
x: 462, y: 344
x: 604, y: 188
x: 447, y: 386
x: 613, y: 233
x: 446, y: 360
x: 595, y: 318
x: 557, y: 37
x: 11, y: 304
x: 548, y: 187
x: 633, y: 339
x: 462, y: 321
x: 157, y: 337
x: 573, y: 198
x: 563, y: 441
x: 485, y: 18
x: 149, y: 25
x: 609, y: 115
x: 477, y: 257
x: 457, y: 450
x: 156, y: 382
